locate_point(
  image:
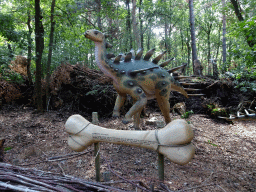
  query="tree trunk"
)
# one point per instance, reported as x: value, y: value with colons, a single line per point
x: 48, y: 68
x: 237, y: 9
x: 188, y: 48
x: 224, y: 45
x: 29, y: 49
x: 141, y: 26
x: 10, y: 51
x: 128, y: 35
x: 214, y: 65
x: 209, y: 52
x: 98, y: 2
x: 197, y: 68
x: 134, y: 24
x: 149, y: 36
x: 39, y: 39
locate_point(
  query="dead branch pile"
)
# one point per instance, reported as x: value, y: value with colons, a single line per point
x: 19, y: 65
x: 8, y: 92
x: 14, y: 178
x: 78, y: 88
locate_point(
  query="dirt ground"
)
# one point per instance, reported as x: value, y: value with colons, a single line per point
x: 225, y: 158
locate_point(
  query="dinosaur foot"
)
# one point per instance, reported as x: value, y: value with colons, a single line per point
x: 126, y: 121
x: 116, y: 114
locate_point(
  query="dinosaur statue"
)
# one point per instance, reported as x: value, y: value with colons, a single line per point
x: 242, y: 116
x: 139, y: 78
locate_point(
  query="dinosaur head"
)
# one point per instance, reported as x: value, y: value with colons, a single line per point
x: 95, y: 35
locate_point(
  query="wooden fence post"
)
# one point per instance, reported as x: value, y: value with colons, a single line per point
x: 161, y: 167
x: 160, y: 124
x: 95, y: 121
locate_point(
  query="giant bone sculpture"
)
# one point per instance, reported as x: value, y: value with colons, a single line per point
x: 248, y: 115
x: 173, y: 141
x: 141, y: 79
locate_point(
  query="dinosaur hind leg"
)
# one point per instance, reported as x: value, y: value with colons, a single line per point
x: 163, y: 102
x: 118, y: 104
x: 140, y: 99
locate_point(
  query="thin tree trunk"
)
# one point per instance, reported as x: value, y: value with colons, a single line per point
x: 149, y: 36
x: 224, y: 45
x: 188, y: 48
x: 196, y: 63
x: 128, y: 27
x: 134, y: 24
x: 29, y: 49
x: 98, y: 2
x: 214, y: 65
x: 39, y: 31
x: 209, y: 48
x: 10, y: 51
x: 141, y: 26
x: 48, y: 68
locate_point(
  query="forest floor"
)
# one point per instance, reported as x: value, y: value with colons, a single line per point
x: 225, y: 158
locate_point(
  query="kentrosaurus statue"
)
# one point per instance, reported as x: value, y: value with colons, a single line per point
x: 139, y: 78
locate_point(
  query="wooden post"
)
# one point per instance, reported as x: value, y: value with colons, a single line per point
x: 95, y: 121
x: 97, y: 160
x: 160, y: 124
x: 161, y: 167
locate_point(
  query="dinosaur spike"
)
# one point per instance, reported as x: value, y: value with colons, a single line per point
x: 157, y: 59
x: 149, y: 54
x: 110, y: 55
x: 166, y: 62
x: 196, y: 95
x: 128, y: 57
x: 117, y: 59
x: 176, y: 68
x: 133, y: 73
x: 181, y: 77
x: 192, y: 89
x: 184, y: 83
x: 139, y: 54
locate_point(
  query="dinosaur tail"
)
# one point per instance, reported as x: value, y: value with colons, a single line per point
x: 176, y: 86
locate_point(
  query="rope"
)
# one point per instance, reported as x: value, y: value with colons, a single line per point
x: 82, y: 129
x: 158, y: 143
x: 78, y: 133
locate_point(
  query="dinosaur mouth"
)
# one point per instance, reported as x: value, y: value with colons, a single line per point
x: 86, y: 35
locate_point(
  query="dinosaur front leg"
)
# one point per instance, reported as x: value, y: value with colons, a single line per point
x: 162, y: 97
x: 119, y: 103
x: 140, y: 99
x: 137, y: 120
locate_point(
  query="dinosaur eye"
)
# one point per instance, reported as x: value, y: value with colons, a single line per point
x: 96, y: 32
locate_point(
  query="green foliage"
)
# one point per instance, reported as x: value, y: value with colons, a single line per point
x: 216, y: 110
x: 241, y: 50
x: 187, y: 114
x: 209, y: 142
x: 9, y: 75
x: 7, y: 27
x: 7, y: 148
x: 5, y: 72
x: 73, y: 18
x: 246, y: 81
x: 97, y: 90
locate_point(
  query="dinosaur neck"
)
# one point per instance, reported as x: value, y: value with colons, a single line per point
x: 101, y: 60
